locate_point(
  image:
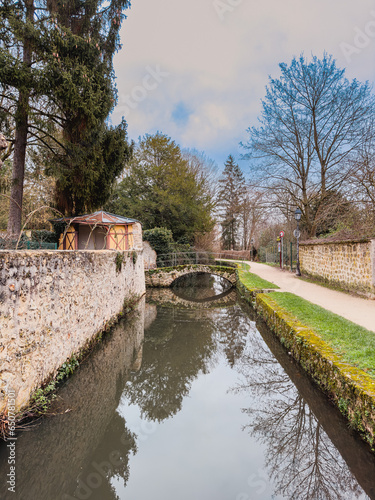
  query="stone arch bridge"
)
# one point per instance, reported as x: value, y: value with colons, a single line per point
x: 165, y: 276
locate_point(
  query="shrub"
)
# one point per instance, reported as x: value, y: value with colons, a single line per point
x: 160, y: 239
x: 44, y: 236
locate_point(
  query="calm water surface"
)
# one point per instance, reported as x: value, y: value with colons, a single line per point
x: 190, y: 398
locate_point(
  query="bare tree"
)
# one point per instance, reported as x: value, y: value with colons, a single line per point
x: 313, y: 119
x: 301, y: 460
x: 252, y: 215
x: 363, y: 172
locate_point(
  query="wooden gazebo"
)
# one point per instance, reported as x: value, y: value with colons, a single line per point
x: 100, y: 231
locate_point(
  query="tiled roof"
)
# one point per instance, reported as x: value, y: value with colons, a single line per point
x: 101, y: 218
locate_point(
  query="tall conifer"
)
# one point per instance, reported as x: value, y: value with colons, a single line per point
x: 230, y: 200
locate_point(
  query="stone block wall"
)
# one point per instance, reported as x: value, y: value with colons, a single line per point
x: 165, y: 276
x: 52, y: 303
x: 137, y: 235
x: 149, y: 256
x: 350, y: 264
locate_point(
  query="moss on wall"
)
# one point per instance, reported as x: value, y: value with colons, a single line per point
x: 350, y: 388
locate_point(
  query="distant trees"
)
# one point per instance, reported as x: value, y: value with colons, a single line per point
x: 314, y: 122
x: 363, y: 174
x: 238, y: 207
x: 230, y: 199
x: 164, y: 188
x: 231, y: 196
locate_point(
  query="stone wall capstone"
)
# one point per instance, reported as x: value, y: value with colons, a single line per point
x: 351, y: 264
x: 52, y: 303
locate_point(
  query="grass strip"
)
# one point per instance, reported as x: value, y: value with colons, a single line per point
x: 253, y: 281
x: 355, y: 344
x: 250, y: 280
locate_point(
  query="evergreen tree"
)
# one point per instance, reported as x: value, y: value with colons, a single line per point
x: 161, y: 189
x: 18, y: 77
x: 231, y: 198
x: 56, y: 84
x: 85, y: 40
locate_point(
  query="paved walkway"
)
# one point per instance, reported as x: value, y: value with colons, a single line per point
x: 356, y: 309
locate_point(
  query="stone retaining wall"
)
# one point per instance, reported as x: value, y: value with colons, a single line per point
x: 351, y: 264
x: 351, y: 389
x: 93, y: 395
x: 149, y: 256
x: 52, y: 303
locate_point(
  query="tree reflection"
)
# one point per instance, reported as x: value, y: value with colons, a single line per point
x: 178, y: 345
x: 109, y: 461
x: 57, y: 459
x: 301, y: 460
x: 233, y: 327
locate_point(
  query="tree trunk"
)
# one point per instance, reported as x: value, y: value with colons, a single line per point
x: 19, y: 155
x: 15, y: 208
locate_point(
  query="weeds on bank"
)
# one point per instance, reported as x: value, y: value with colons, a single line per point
x: 43, y: 397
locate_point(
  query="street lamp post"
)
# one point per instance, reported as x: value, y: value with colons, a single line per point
x: 297, y: 234
x: 252, y: 249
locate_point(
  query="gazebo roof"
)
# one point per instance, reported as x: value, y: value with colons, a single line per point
x: 100, y: 218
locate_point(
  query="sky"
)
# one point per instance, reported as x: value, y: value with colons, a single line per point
x: 196, y: 70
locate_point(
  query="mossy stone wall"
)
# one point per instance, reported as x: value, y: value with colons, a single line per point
x: 52, y: 304
x: 350, y: 388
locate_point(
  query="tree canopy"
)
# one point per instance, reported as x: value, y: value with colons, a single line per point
x: 56, y: 91
x: 313, y: 121
x: 161, y: 189
x: 231, y: 197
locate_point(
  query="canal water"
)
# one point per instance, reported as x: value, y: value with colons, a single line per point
x: 190, y: 398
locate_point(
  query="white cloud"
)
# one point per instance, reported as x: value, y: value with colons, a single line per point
x: 218, y: 68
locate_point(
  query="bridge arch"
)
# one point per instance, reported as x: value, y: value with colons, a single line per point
x: 165, y: 276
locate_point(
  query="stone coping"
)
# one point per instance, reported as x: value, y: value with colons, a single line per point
x: 335, y: 242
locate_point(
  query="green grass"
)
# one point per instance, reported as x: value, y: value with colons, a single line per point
x: 253, y: 281
x: 352, y: 342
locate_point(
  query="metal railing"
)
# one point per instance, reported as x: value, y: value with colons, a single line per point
x: 271, y: 255
x: 6, y: 244
x: 192, y: 257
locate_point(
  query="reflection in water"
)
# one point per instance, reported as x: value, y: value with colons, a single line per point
x: 224, y: 419
x: 175, y: 298
x: 302, y: 461
x: 55, y: 458
x: 177, y: 346
x: 201, y: 287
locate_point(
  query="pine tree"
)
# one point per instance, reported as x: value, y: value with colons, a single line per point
x: 94, y: 154
x: 56, y: 72
x: 230, y: 200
